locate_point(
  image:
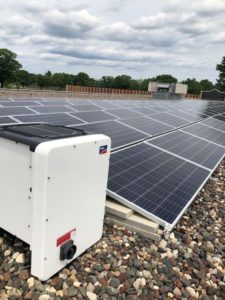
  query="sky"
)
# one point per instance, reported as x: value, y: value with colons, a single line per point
x: 141, y: 38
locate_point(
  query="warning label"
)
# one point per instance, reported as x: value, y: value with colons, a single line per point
x: 66, y: 237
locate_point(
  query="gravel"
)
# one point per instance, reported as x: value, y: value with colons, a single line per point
x: 187, y: 264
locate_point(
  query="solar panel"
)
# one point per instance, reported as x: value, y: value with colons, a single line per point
x: 120, y: 134
x: 87, y: 107
x: 187, y: 116
x: 58, y: 119
x: 207, y: 133
x: 214, y: 123
x: 106, y: 105
x: 15, y: 111
x: 6, y: 120
x: 221, y: 117
x: 19, y: 103
x: 170, y: 119
x: 124, y: 113
x: 94, y: 116
x: 148, y: 125
x: 154, y: 183
x: 190, y: 147
x: 145, y: 111
x: 53, y: 109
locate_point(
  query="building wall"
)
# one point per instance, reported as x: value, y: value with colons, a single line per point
x: 181, y: 88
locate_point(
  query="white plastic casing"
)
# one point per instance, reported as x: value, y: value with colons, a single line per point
x: 57, y: 190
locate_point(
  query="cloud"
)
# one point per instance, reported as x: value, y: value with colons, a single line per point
x: 71, y: 24
x: 180, y: 36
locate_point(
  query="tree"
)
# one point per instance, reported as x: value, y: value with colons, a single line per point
x: 83, y: 79
x: 144, y: 84
x: 165, y: 78
x: 24, y: 78
x: 106, y: 82
x: 206, y: 85
x: 122, y: 82
x: 8, y: 65
x: 193, y: 86
x: 221, y: 80
x: 61, y: 79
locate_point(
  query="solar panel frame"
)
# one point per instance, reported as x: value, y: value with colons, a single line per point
x: 207, y: 133
x: 190, y: 148
x: 112, y: 128
x: 148, y: 125
x: 53, y: 118
x: 166, y: 225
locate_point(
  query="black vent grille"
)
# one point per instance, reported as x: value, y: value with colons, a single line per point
x: 45, y: 131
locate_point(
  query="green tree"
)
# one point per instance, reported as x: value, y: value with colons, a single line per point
x: 8, y: 65
x: 43, y: 81
x: 206, y: 85
x: 83, y: 79
x: 193, y: 86
x: 106, y: 82
x: 61, y: 79
x: 24, y: 78
x: 144, y: 84
x: 221, y: 80
x: 165, y: 78
x: 122, y: 82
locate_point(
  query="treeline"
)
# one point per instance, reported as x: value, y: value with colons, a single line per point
x: 12, y: 75
x: 60, y: 80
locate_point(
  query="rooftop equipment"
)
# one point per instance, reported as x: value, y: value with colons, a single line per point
x: 53, y: 185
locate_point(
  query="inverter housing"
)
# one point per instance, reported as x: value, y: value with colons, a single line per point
x: 52, y: 191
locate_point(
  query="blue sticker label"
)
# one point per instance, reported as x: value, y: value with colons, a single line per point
x: 103, y: 149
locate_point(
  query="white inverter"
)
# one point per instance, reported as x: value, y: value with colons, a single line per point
x: 52, y: 191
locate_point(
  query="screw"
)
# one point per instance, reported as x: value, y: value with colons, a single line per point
x: 45, y: 258
x: 74, y: 146
x: 28, y: 226
x: 46, y: 220
x: 48, y: 178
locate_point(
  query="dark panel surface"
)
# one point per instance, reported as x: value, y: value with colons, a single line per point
x: 207, y: 133
x: 124, y: 113
x: 15, y: 111
x: 6, y: 120
x: 215, y: 123
x: 153, y: 182
x: 190, y: 147
x: 53, y: 109
x: 94, y: 116
x: 58, y: 119
x: 120, y: 134
x: 86, y: 107
x: 170, y: 119
x: 148, y: 125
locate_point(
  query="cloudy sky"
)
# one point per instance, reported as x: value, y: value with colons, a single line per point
x: 140, y: 38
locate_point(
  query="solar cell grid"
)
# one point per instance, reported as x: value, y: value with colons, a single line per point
x: 58, y: 119
x: 148, y: 125
x: 124, y: 113
x: 94, y: 116
x: 6, y: 120
x: 170, y: 119
x: 120, y: 134
x: 148, y: 183
x: 221, y: 117
x: 207, y: 133
x: 87, y: 107
x: 53, y: 109
x: 190, y: 147
x: 15, y: 111
x: 214, y: 123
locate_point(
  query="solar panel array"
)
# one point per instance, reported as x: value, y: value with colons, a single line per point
x: 162, y: 151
